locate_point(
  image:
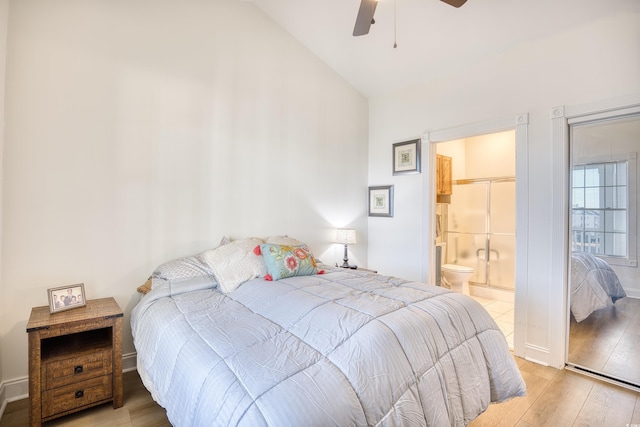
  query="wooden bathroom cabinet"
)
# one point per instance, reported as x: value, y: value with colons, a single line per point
x: 444, y: 183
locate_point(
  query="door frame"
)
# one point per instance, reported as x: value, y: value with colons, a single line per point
x: 429, y: 139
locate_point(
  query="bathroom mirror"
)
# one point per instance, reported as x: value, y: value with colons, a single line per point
x: 604, y: 279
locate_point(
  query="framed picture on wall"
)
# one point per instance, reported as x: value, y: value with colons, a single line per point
x: 66, y: 297
x: 381, y: 201
x: 406, y: 157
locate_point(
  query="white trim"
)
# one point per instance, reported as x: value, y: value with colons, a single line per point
x: 537, y: 354
x: 558, y: 301
x: 129, y: 361
x: 557, y: 298
x: 522, y: 235
x: 427, y: 273
x: 475, y: 129
x: 12, y: 390
x: 427, y: 235
x: 3, y: 400
x: 577, y: 369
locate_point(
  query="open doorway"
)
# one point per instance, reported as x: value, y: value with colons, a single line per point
x: 475, y: 219
x: 514, y: 242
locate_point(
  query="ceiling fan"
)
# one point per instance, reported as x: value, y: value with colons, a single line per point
x: 367, y: 9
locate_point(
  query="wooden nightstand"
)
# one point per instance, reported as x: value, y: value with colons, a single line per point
x: 75, y: 359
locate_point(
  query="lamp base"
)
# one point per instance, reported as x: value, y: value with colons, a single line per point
x: 345, y: 259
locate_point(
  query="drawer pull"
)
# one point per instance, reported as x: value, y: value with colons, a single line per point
x: 77, y: 369
x: 79, y: 394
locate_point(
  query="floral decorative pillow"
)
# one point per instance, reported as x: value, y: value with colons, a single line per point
x: 286, y: 261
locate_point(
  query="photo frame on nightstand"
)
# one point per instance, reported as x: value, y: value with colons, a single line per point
x: 381, y: 201
x: 66, y: 297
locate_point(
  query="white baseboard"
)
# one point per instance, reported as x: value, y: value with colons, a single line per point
x: 3, y: 400
x: 15, y: 389
x: 492, y: 293
x: 129, y: 362
x: 18, y: 388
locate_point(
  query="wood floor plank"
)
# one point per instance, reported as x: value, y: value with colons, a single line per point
x: 149, y: 415
x: 510, y: 412
x: 607, y: 405
x: 623, y: 361
x: 561, y: 402
x: 608, y: 341
x: 582, y: 352
x: 635, y: 419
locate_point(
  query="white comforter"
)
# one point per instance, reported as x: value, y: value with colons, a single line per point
x: 594, y: 285
x: 346, y: 348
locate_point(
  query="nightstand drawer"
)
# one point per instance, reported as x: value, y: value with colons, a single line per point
x: 75, y: 369
x: 77, y: 395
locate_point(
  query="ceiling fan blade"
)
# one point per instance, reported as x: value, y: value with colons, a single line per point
x: 365, y: 17
x: 455, y: 3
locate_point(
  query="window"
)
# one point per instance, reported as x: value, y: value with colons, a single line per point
x: 600, y: 208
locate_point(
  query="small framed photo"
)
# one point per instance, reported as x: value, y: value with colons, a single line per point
x: 381, y: 201
x: 406, y: 157
x: 66, y: 297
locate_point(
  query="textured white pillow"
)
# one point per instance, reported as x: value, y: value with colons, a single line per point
x: 235, y: 263
x: 283, y: 240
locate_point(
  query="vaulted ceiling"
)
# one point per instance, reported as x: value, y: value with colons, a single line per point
x: 434, y: 39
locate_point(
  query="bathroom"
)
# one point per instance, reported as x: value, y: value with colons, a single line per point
x: 476, y: 223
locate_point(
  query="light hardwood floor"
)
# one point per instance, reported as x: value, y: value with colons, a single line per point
x: 564, y: 398
x: 139, y: 410
x: 608, y: 341
x: 554, y: 398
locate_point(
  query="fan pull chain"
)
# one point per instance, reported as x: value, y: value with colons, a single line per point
x: 395, y: 36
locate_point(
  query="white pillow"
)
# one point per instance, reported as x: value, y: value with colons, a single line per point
x: 235, y: 263
x: 283, y: 240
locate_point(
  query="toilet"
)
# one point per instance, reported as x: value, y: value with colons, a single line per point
x: 457, y: 277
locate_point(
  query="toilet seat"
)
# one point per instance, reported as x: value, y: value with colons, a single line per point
x: 457, y: 268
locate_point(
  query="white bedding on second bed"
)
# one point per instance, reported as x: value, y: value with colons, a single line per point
x: 594, y: 285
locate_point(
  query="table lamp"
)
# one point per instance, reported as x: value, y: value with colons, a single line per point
x: 346, y: 237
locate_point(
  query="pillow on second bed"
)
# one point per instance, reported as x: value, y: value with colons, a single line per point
x: 287, y: 261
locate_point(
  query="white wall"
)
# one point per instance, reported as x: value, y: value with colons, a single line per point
x: 144, y: 130
x: 599, y: 60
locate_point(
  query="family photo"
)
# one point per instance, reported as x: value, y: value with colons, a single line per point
x: 66, y: 297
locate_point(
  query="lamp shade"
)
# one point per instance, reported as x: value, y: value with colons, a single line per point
x: 346, y: 236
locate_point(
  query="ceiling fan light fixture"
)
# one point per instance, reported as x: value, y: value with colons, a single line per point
x: 455, y: 3
x: 365, y: 17
x: 364, y: 20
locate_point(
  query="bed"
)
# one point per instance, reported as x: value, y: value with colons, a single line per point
x: 323, y: 346
x: 594, y: 285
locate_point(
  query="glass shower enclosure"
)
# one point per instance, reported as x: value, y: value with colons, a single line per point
x: 480, y: 230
